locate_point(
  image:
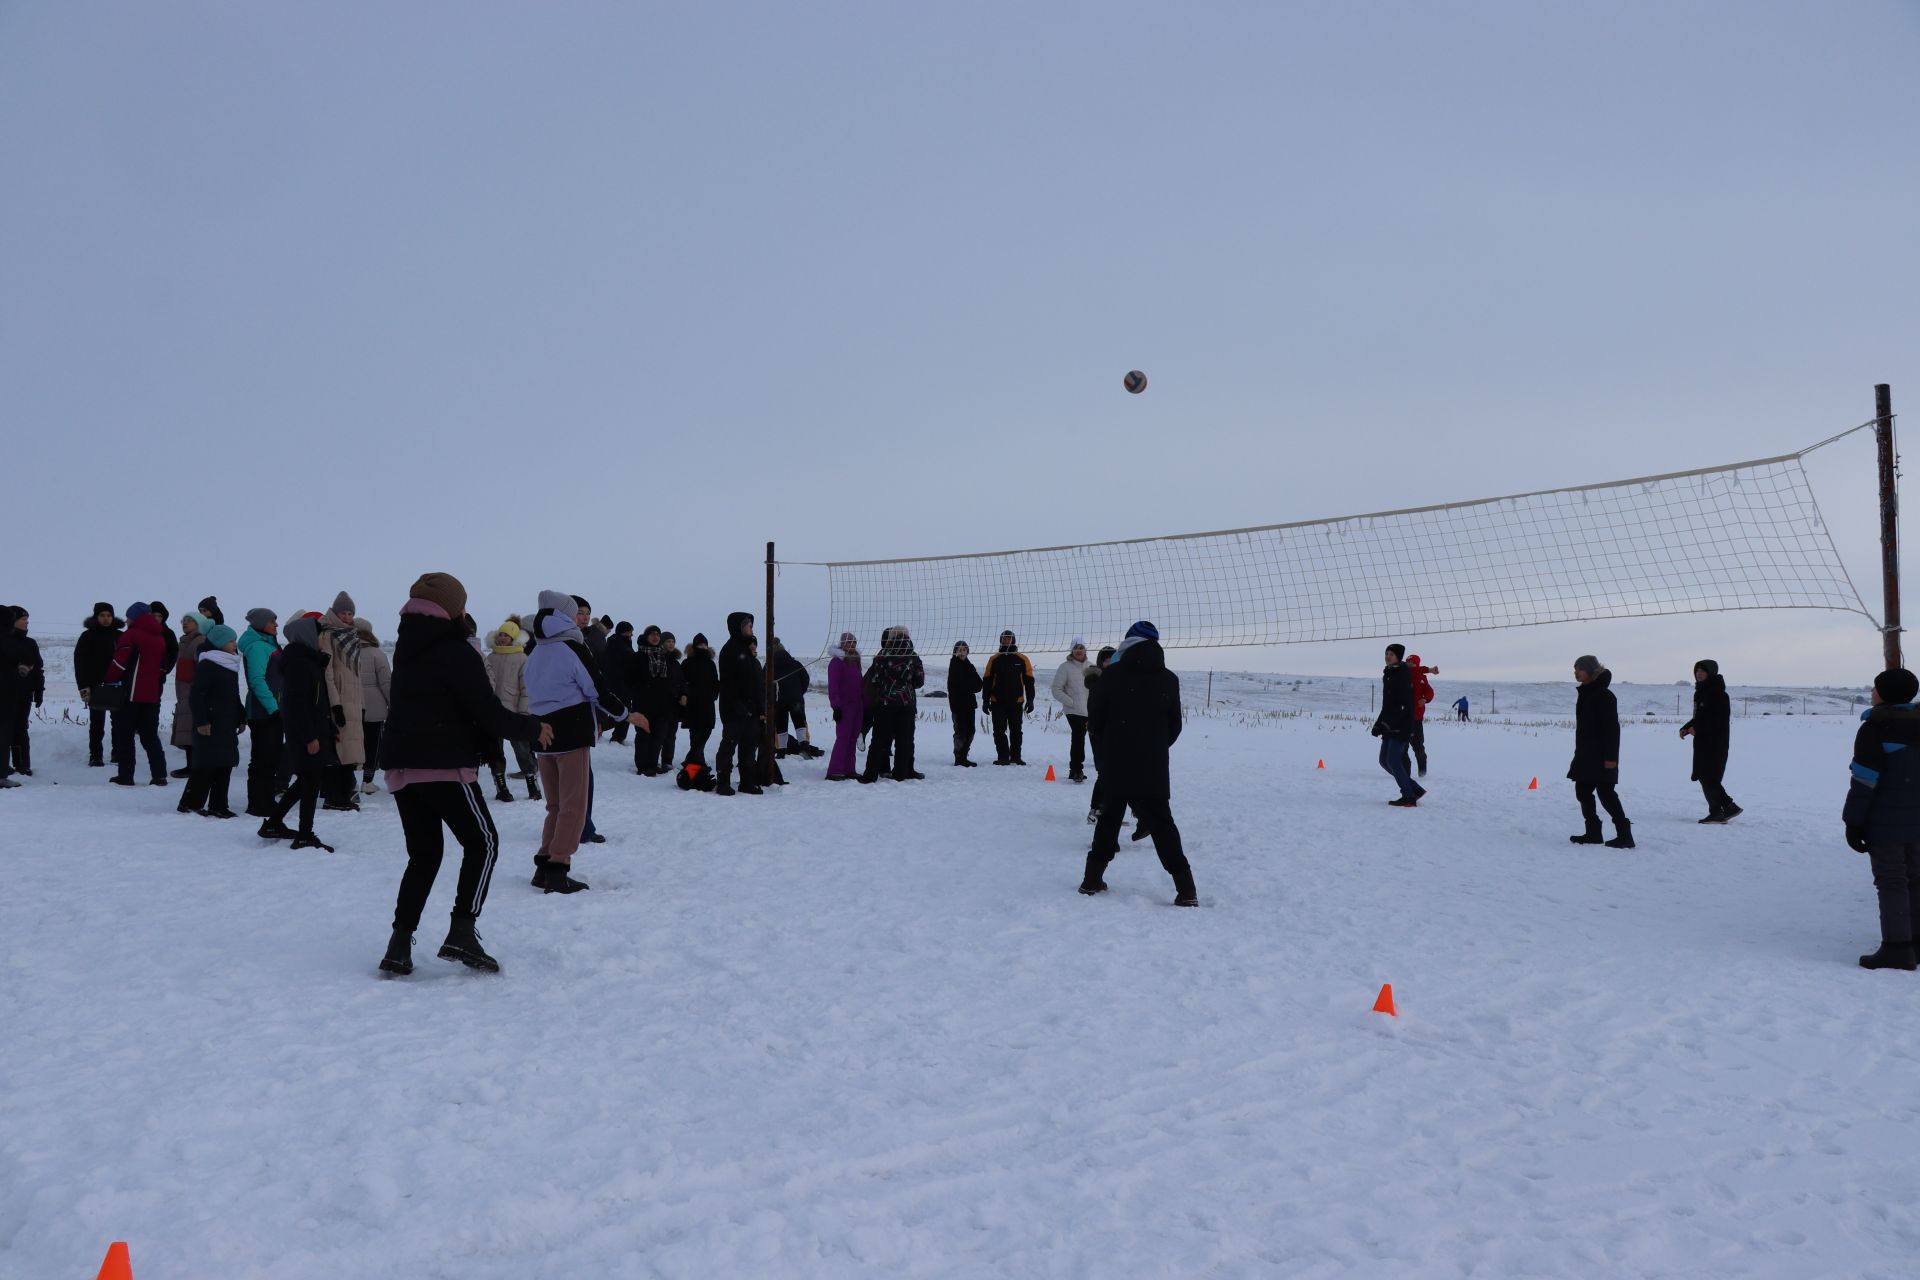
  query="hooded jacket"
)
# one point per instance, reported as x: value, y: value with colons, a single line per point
x: 1134, y: 719
x: 443, y: 713
x: 1070, y: 687
x: 1596, y: 731
x: 141, y: 656
x: 305, y: 706
x: 214, y: 700
x: 1884, y: 794
x: 963, y: 685
x: 699, y: 680
x: 1009, y: 678
x: 562, y: 690
x: 845, y: 692
x: 93, y: 651
x: 743, y: 692
x: 257, y: 649
x: 376, y: 680
x: 1396, y: 703
x: 1422, y: 687
x: 896, y: 671
x: 790, y: 678
x: 1712, y: 726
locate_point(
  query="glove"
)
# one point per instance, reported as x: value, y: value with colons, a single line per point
x: 340, y: 716
x: 205, y: 730
x: 1857, y: 839
x: 836, y: 716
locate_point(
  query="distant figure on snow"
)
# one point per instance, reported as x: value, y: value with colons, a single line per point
x: 1596, y: 753
x: 1882, y: 812
x: 963, y: 692
x: 1069, y: 690
x: 1394, y: 726
x: 1711, y: 730
x: 1460, y: 705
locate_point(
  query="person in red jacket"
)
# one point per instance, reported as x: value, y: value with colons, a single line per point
x: 139, y: 664
x: 1422, y: 695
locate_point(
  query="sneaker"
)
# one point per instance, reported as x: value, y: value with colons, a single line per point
x: 1187, y: 900
x: 308, y: 840
x: 271, y: 830
x: 1091, y: 887
x: 1405, y: 802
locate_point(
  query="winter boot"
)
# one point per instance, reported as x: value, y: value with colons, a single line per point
x: 1623, y: 840
x: 1140, y: 831
x: 463, y: 944
x: 273, y: 830
x: 726, y: 788
x: 533, y: 789
x: 1730, y: 810
x: 1091, y: 887
x: 752, y: 789
x: 556, y: 880
x: 180, y: 772
x: 399, y: 957
x: 1188, y: 898
x: 1891, y: 955
x: 1592, y: 835
x: 1715, y: 815
x: 501, y: 794
x: 308, y: 840
x: 539, y: 870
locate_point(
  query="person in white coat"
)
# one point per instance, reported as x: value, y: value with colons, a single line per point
x: 1070, y: 692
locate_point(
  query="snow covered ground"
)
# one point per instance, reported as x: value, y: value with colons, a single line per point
x: 849, y: 1031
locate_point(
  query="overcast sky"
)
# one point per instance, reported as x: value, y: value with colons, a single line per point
x: 602, y: 297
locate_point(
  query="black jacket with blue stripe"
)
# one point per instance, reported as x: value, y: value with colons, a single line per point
x: 1884, y: 797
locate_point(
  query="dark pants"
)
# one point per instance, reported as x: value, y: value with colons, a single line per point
x: 1609, y: 800
x: 741, y: 734
x: 340, y: 783
x: 141, y: 721
x: 964, y: 726
x: 371, y: 728
x: 1419, y: 744
x: 304, y: 792
x: 20, y: 748
x: 1393, y: 758
x: 98, y: 719
x: 427, y: 811
x: 1896, y: 875
x: 10, y: 730
x: 1157, y: 815
x: 1077, y: 750
x: 206, y: 789
x: 699, y: 729
x: 619, y: 735
x: 892, y: 740
x: 263, y: 763
x: 589, y: 831
x: 665, y: 731
x: 1717, y: 797
x: 1006, y: 731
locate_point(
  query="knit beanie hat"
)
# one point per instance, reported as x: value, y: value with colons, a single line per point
x: 1897, y: 686
x: 442, y: 589
x: 100, y: 607
x: 211, y: 609
x: 1398, y: 650
x: 137, y: 610
x: 1707, y: 665
x: 159, y: 610
x: 219, y: 635
x: 623, y: 629
x: 1143, y: 630
x: 200, y: 623
x: 1586, y: 662
x: 700, y: 638
x: 1106, y: 655
x: 579, y: 602
x: 259, y: 618
x: 343, y: 603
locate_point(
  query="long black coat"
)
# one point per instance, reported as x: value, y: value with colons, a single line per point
x: 442, y: 712
x: 617, y: 659
x: 963, y: 685
x: 304, y: 705
x: 214, y: 700
x: 700, y: 681
x: 1712, y: 726
x: 743, y: 682
x: 1596, y: 732
x: 1396, y: 703
x: 1136, y: 719
x: 93, y: 651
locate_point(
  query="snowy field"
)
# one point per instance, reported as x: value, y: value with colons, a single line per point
x: 873, y: 1031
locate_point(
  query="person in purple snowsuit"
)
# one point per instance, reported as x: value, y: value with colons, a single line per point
x: 847, y: 695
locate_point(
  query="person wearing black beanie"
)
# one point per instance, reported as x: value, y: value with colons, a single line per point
x: 210, y: 610
x: 1595, y: 770
x: 1882, y: 812
x: 1711, y: 729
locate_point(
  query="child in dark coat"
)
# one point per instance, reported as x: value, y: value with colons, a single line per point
x: 217, y: 712
x: 308, y: 715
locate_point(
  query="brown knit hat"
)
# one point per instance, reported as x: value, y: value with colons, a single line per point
x: 442, y: 589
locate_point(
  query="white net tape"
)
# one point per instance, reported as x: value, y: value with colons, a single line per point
x: 1746, y: 536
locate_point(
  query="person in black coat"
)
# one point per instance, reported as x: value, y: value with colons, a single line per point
x: 699, y: 689
x: 1394, y: 726
x: 217, y: 712
x: 1137, y: 720
x: 16, y: 684
x: 308, y: 718
x: 743, y: 708
x: 443, y: 723
x: 92, y: 652
x: 790, y: 685
x: 1596, y: 753
x: 652, y: 680
x: 1095, y: 693
x: 963, y: 692
x: 1711, y: 730
x: 1882, y: 813
x: 619, y: 666
x: 666, y: 730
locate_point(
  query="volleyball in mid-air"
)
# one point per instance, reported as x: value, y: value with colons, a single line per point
x: 1135, y: 381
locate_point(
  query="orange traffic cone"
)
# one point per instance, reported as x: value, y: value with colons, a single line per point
x: 117, y: 1266
x: 1385, y: 1003
x: 1049, y: 777
x: 1321, y: 765
x: 1534, y: 785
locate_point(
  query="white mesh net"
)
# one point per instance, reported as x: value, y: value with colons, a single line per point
x: 1745, y: 536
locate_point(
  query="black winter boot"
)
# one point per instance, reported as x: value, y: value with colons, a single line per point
x: 399, y: 957
x: 533, y: 790
x: 308, y: 840
x: 274, y: 830
x: 539, y: 869
x: 1891, y: 955
x: 1623, y: 840
x: 501, y: 793
x: 554, y: 879
x: 1091, y: 887
x: 463, y: 944
x: 1593, y: 835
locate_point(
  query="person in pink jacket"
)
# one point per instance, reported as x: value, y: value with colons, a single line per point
x: 847, y: 695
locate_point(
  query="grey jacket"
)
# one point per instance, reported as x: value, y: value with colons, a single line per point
x: 376, y: 681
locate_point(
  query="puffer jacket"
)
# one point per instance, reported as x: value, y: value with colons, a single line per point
x: 1596, y: 731
x: 507, y: 672
x: 141, y: 655
x: 1070, y: 687
x: 376, y: 680
x: 1884, y: 794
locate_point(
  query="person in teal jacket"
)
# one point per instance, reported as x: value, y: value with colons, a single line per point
x: 266, y: 766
